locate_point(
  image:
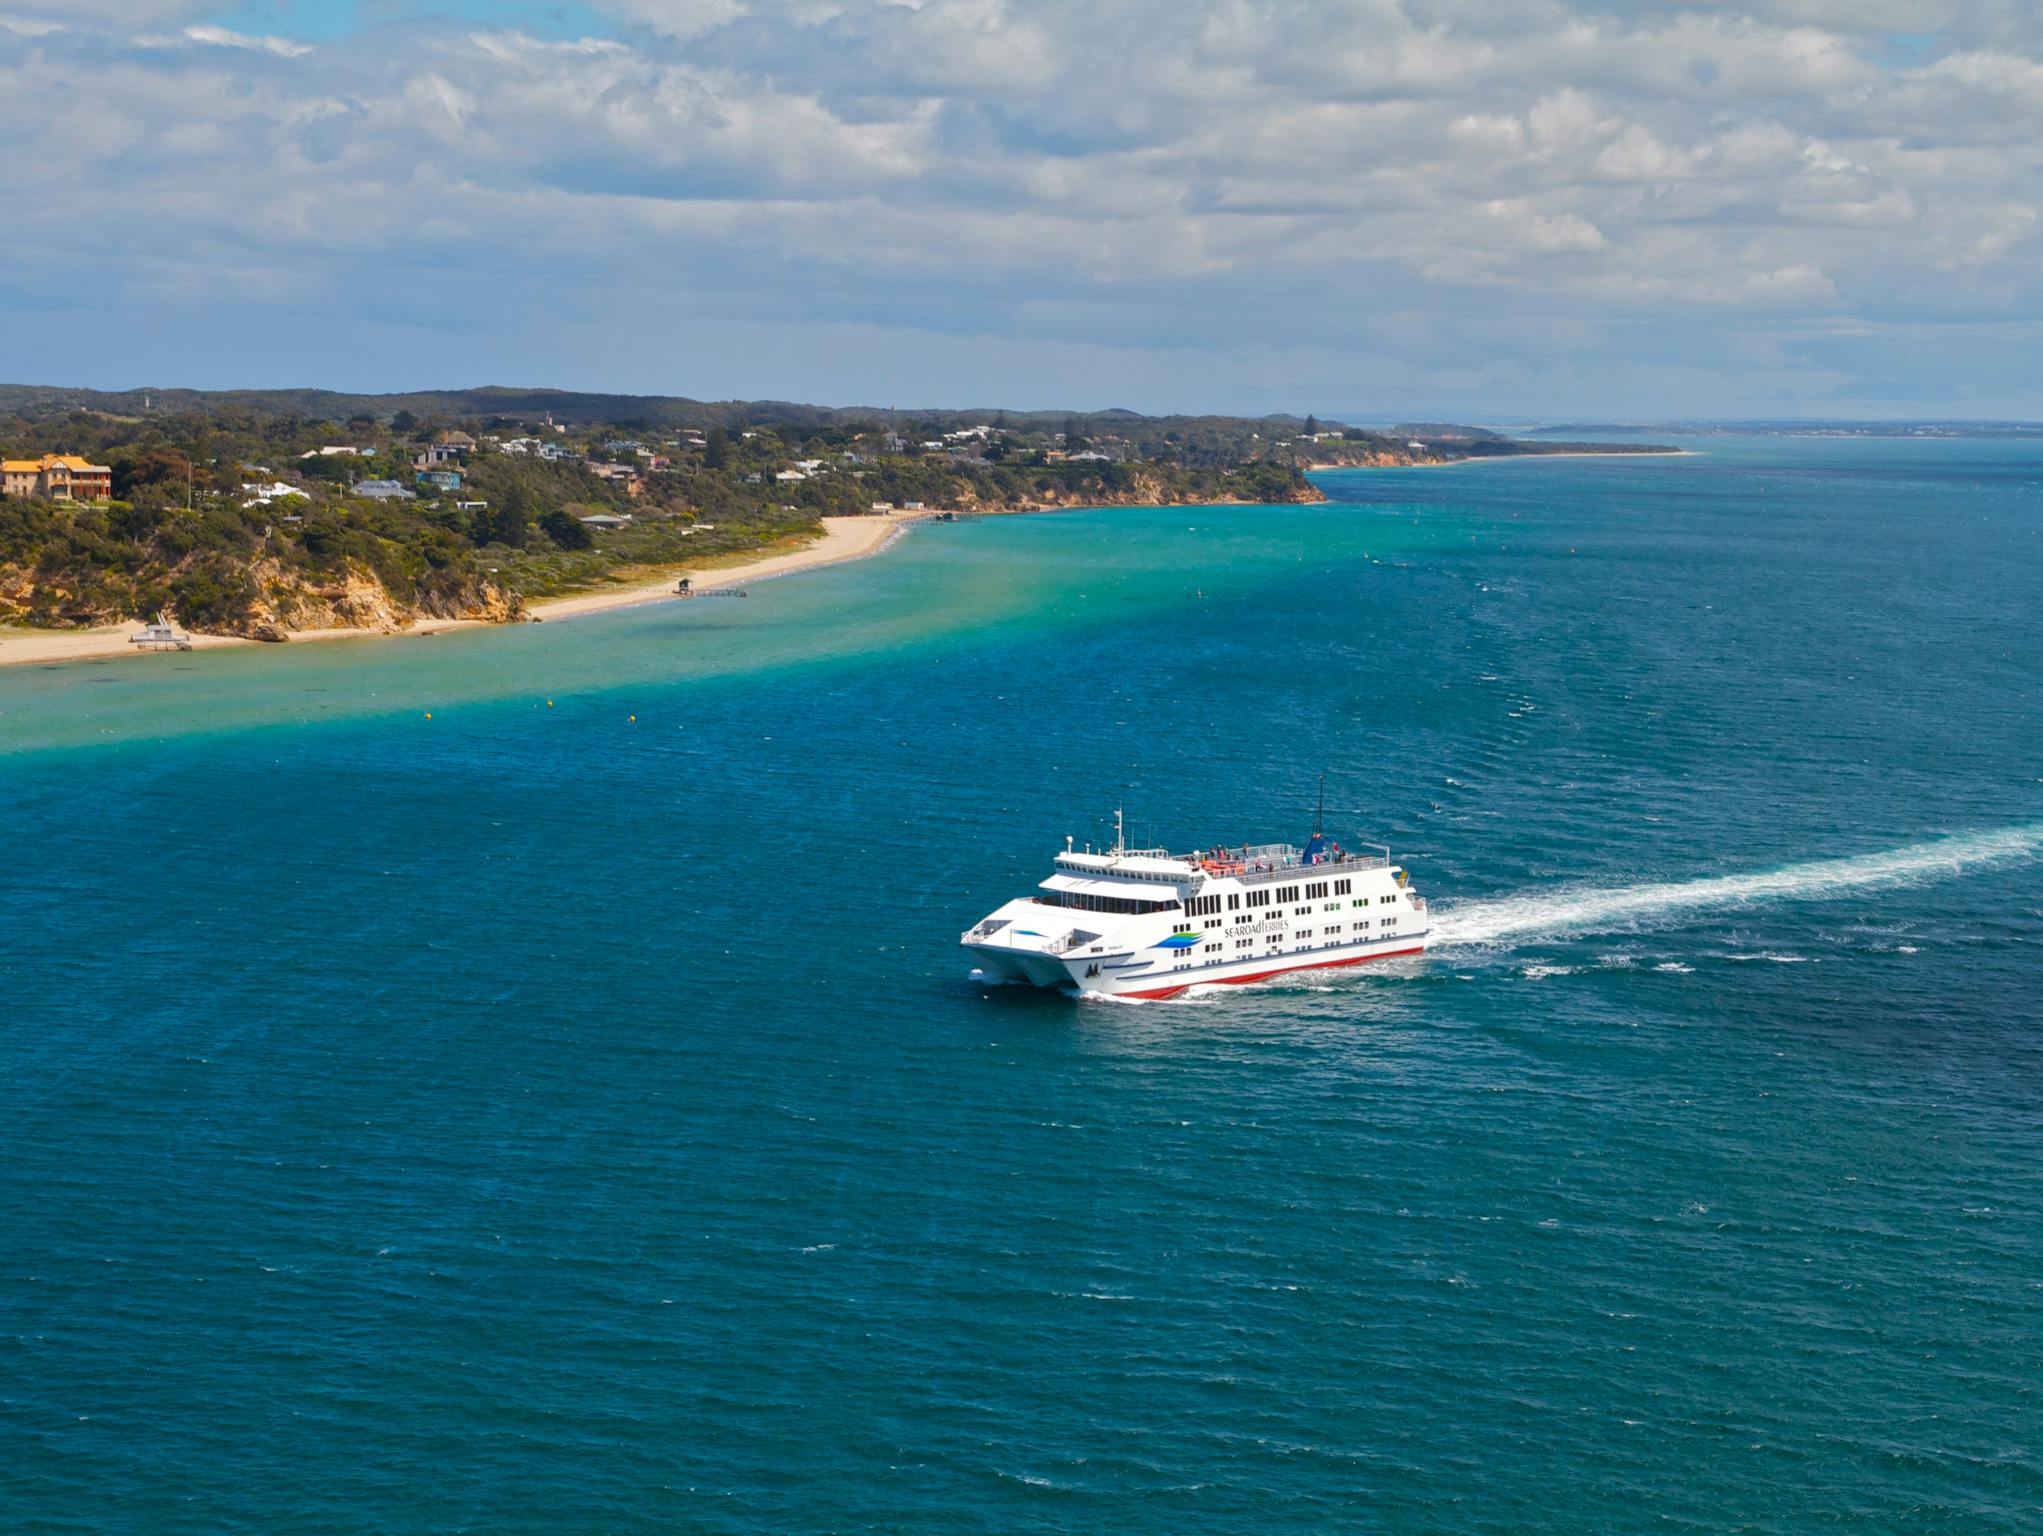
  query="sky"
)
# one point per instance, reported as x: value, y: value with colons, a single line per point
x: 1370, y: 209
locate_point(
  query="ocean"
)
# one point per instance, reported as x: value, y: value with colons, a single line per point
x: 526, y: 1081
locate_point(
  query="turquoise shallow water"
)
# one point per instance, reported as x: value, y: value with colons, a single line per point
x: 529, y: 1119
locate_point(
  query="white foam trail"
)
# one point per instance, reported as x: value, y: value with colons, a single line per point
x: 1579, y: 909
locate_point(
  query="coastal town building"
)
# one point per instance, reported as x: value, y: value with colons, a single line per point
x: 57, y: 476
x: 383, y: 490
x: 440, y: 479
x: 625, y: 477
x: 261, y: 493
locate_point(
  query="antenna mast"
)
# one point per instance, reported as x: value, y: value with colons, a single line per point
x: 1319, y: 816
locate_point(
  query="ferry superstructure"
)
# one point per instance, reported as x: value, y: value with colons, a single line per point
x: 1144, y: 922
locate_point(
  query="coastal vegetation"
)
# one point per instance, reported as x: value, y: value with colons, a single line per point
x: 261, y: 513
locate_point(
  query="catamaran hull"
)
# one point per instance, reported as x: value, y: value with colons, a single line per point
x: 1254, y: 971
x: 1120, y: 977
x: 1019, y: 967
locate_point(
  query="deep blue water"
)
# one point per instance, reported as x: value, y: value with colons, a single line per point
x: 535, y: 1119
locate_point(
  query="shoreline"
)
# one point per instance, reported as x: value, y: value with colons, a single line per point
x: 843, y: 539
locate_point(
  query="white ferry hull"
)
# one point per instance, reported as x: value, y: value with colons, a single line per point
x: 1239, y: 974
x: 1127, y: 977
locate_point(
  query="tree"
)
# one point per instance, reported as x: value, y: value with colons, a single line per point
x: 1074, y: 440
x: 565, y: 529
x: 156, y: 476
x: 507, y: 521
x: 716, y: 450
x: 1311, y: 425
x: 403, y: 422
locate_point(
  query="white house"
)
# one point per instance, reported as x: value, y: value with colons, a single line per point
x: 261, y: 495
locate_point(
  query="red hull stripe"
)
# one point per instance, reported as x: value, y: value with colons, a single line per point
x: 1282, y: 970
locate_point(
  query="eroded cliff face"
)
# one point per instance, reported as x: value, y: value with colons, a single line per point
x: 358, y: 600
x: 1338, y: 456
x: 1147, y: 491
x: 284, y: 602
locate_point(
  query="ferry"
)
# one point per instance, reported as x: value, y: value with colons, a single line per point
x: 1148, y: 923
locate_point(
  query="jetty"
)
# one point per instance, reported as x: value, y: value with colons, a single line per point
x: 161, y: 636
x: 687, y: 588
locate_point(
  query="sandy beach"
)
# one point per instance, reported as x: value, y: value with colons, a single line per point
x: 843, y: 538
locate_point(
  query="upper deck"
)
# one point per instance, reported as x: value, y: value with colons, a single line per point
x: 1252, y: 864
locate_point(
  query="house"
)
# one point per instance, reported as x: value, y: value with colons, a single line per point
x: 883, y: 506
x: 471, y: 506
x: 261, y: 494
x: 625, y: 477
x: 335, y: 450
x: 456, y: 442
x: 440, y: 479
x: 1090, y: 457
x: 433, y: 455
x: 59, y: 476
x: 790, y: 474
x: 606, y: 520
x: 382, y: 490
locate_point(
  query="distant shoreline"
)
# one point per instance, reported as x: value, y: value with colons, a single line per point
x: 1516, y: 458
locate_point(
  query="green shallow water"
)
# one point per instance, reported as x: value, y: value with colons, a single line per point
x: 529, y: 1118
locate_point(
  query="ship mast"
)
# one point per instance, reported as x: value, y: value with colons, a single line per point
x: 1319, y: 816
x: 1120, y: 833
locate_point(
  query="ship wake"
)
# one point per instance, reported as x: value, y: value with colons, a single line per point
x: 1511, y: 920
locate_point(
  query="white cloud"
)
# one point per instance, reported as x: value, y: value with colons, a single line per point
x: 987, y: 160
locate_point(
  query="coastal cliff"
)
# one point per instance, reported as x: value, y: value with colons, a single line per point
x: 261, y: 599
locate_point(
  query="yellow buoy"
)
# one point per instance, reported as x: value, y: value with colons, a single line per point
x: 634, y: 719
x: 429, y: 714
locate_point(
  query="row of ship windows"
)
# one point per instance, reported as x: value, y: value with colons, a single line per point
x: 1302, y: 933
x: 1283, y: 895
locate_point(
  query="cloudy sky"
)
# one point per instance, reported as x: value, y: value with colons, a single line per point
x: 1383, y: 208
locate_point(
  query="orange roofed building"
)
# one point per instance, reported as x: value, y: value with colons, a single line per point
x: 59, y: 476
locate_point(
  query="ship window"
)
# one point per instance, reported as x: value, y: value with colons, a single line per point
x: 1343, y: 887
x: 1234, y: 901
